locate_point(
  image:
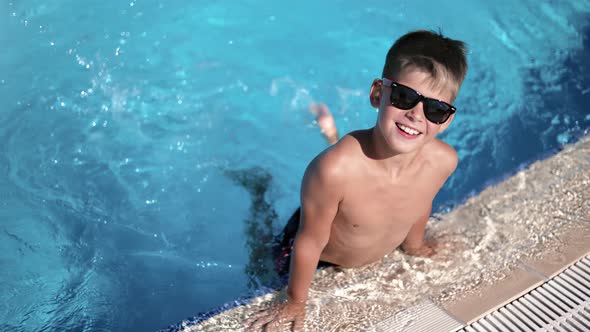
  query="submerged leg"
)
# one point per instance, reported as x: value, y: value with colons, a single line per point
x: 325, y: 121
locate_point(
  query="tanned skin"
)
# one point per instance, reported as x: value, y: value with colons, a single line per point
x: 367, y: 195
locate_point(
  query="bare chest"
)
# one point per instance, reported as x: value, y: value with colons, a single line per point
x: 381, y: 208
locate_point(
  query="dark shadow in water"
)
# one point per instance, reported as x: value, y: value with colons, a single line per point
x: 260, y: 240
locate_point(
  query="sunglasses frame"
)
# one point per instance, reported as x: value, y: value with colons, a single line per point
x: 421, y: 98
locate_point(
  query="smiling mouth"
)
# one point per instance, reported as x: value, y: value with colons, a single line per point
x: 408, y: 130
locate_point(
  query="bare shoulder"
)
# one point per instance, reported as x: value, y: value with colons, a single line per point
x: 344, y: 153
x: 337, y: 161
x: 442, y: 155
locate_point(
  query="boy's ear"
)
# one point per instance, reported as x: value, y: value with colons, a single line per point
x: 375, y: 94
x: 444, y: 126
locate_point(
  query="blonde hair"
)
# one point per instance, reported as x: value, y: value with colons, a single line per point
x: 430, y: 52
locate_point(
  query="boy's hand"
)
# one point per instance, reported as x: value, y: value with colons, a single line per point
x: 425, y: 250
x: 277, y: 316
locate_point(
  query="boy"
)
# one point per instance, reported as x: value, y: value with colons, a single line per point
x: 372, y: 191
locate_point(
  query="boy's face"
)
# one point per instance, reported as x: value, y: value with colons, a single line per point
x: 406, y: 131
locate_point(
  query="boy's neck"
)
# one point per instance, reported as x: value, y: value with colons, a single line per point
x: 393, y: 162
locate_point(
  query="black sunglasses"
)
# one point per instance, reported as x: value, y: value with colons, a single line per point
x: 405, y: 98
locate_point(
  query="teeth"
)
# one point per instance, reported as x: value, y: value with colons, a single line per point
x: 408, y: 130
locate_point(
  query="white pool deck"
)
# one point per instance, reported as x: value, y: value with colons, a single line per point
x: 507, y: 240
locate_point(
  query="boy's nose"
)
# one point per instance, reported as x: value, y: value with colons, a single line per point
x: 416, y: 113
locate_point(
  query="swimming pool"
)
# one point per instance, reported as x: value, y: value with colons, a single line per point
x: 129, y: 129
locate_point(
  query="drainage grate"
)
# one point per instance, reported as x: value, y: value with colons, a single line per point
x: 560, y: 304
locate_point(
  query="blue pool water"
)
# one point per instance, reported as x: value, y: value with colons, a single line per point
x: 150, y: 149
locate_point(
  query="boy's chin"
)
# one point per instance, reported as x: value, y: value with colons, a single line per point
x: 396, y: 148
x: 406, y: 146
x: 405, y: 150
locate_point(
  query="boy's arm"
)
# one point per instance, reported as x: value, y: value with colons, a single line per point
x: 414, y: 242
x: 446, y: 162
x: 321, y: 193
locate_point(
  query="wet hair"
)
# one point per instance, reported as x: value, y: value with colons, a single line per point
x: 431, y: 52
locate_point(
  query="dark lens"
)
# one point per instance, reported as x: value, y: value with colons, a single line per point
x: 437, y: 112
x: 403, y: 98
